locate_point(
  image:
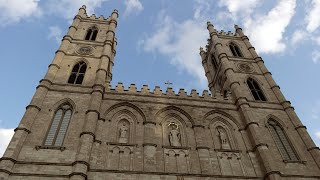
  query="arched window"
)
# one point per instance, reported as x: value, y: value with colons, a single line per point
x: 282, y: 141
x: 59, y: 126
x: 92, y: 34
x: 255, y: 90
x: 235, y: 50
x: 77, y: 74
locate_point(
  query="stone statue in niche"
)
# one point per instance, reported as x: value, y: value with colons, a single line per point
x: 174, y: 135
x: 123, y: 133
x: 223, y: 138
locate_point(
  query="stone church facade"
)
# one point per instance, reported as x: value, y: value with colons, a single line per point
x: 78, y: 127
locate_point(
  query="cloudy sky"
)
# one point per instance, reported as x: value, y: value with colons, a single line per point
x: 159, y: 41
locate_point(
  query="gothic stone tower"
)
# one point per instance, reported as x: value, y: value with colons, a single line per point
x: 78, y: 127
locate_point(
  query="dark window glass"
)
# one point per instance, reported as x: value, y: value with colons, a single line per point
x: 88, y: 34
x: 255, y: 90
x: 78, y: 72
x: 235, y: 50
x: 92, y: 34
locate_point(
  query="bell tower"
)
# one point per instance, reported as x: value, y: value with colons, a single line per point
x: 73, y: 86
x: 232, y: 64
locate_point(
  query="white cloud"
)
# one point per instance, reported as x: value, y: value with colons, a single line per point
x: 243, y: 8
x: 266, y: 32
x: 312, y: 18
x: 5, y: 137
x: 299, y: 36
x: 180, y: 42
x: 132, y: 6
x: 68, y: 9
x: 316, y: 56
x: 55, y: 32
x: 12, y: 11
x: 317, y: 40
x: 317, y: 134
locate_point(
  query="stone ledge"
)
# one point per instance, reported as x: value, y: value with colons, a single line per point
x: 121, y: 144
x: 176, y: 147
x: 61, y: 148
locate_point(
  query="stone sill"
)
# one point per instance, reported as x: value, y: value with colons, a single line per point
x: 61, y: 148
x: 227, y: 150
x: 176, y: 147
x: 120, y: 144
x: 295, y: 161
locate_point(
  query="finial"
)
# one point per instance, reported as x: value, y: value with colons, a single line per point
x: 115, y: 12
x: 210, y: 27
x: 237, y: 27
x: 82, y: 11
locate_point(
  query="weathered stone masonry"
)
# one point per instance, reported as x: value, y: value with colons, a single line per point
x: 138, y: 133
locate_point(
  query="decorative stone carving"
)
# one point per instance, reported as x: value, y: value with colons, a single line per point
x: 224, y: 140
x: 85, y: 50
x: 174, y: 135
x: 245, y: 67
x: 123, y: 133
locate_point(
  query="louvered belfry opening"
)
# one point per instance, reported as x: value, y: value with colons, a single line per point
x: 59, y: 126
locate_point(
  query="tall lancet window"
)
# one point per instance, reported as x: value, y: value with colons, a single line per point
x: 59, y: 126
x: 77, y: 74
x: 282, y: 141
x: 235, y: 50
x: 255, y: 90
x: 92, y: 34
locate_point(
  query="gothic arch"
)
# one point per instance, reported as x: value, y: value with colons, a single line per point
x: 275, y: 118
x: 61, y: 116
x: 220, y: 126
x: 170, y: 118
x: 261, y: 84
x: 133, y: 108
x: 235, y: 49
x: 174, y: 110
x: 256, y: 89
x: 215, y: 120
x: 81, y: 59
x: 223, y: 116
x: 282, y: 141
x: 125, y: 117
x: 62, y: 101
x: 91, y: 33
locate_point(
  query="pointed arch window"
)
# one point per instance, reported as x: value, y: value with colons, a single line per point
x: 92, y: 34
x: 255, y: 90
x: 235, y: 50
x: 78, y: 72
x: 282, y: 141
x: 59, y: 126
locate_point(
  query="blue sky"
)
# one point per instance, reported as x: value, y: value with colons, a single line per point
x: 159, y: 41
